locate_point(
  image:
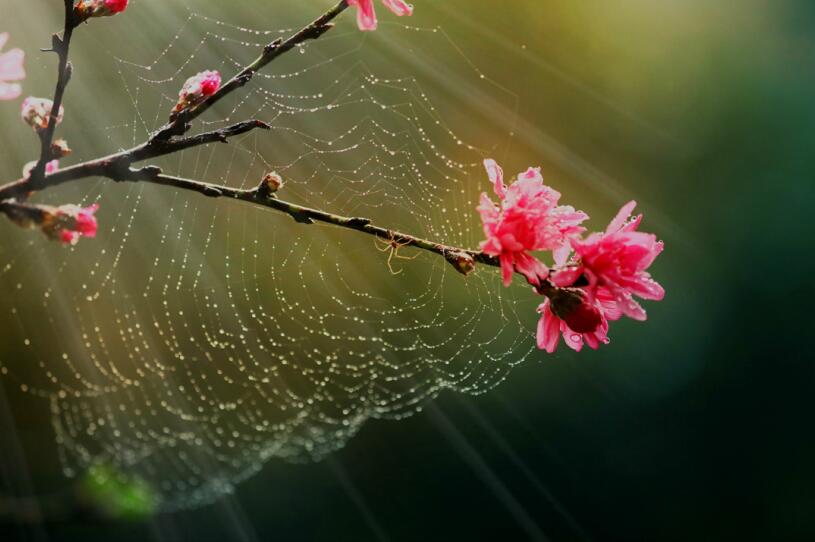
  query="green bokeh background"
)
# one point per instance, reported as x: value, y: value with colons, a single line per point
x: 693, y: 426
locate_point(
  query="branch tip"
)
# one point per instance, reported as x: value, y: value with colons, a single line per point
x: 462, y: 262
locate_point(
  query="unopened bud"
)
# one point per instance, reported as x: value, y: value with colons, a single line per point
x: 86, y: 9
x: 271, y: 183
x: 196, y: 89
x: 60, y: 148
x: 463, y: 262
x: 36, y: 112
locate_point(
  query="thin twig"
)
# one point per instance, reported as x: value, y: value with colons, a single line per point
x: 462, y: 259
x: 61, y: 47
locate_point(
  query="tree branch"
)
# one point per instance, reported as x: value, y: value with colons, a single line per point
x: 168, y: 140
x: 160, y: 143
x: 124, y: 159
x: 463, y: 260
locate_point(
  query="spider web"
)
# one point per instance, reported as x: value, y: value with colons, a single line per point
x: 197, y: 339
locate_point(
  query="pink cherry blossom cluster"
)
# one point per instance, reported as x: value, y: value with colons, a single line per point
x: 528, y: 219
x: 595, y: 278
x: 366, y: 13
x: 196, y: 90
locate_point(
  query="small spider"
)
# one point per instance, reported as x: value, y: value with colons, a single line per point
x: 392, y: 246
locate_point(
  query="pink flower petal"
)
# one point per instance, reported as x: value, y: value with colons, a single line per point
x: 562, y: 253
x: 565, y: 277
x: 630, y: 308
x: 533, y: 269
x: 621, y: 218
x: 11, y: 69
x: 399, y: 7
x: 507, y: 268
x: 548, y: 333
x: 496, y: 176
x: 366, y: 14
x: 10, y: 91
x: 11, y: 65
x: 572, y: 339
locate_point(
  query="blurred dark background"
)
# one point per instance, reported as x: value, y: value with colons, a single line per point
x: 693, y: 426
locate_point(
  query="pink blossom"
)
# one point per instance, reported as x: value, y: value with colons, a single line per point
x: 11, y: 69
x: 99, y: 8
x: 50, y: 167
x: 366, y: 14
x: 36, y: 112
x: 616, y: 262
x: 528, y: 219
x: 73, y: 222
x: 197, y: 89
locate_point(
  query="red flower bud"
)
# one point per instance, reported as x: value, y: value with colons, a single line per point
x: 196, y: 89
x: 86, y: 9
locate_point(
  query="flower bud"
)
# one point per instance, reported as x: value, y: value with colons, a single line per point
x: 463, y: 262
x: 271, y: 183
x: 60, y: 148
x: 86, y: 9
x: 36, y: 112
x: 66, y: 223
x: 50, y: 167
x: 70, y: 222
x: 572, y: 306
x: 196, y: 89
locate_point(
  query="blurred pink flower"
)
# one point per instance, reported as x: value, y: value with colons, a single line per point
x: 196, y: 89
x: 528, y: 219
x: 616, y: 262
x: 366, y: 14
x: 36, y: 112
x: 11, y: 69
